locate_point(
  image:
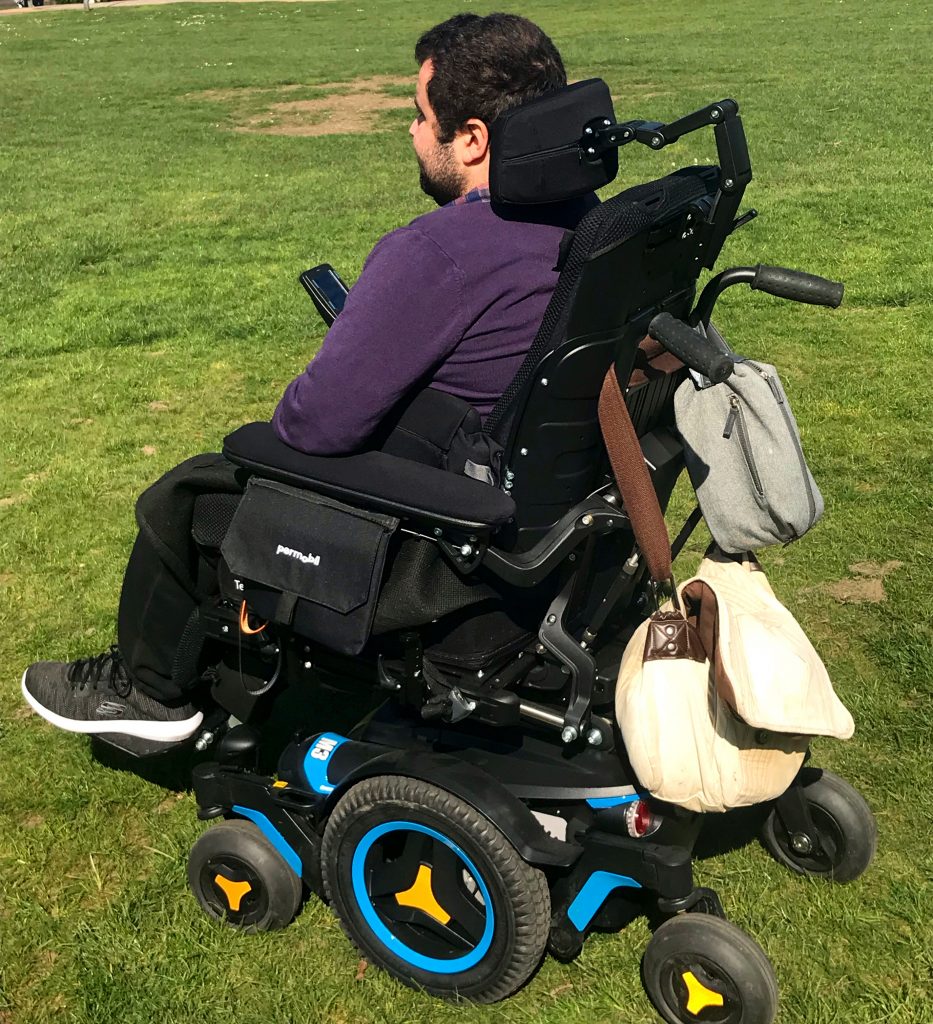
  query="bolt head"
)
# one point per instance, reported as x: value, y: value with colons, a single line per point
x: 801, y: 843
x: 551, y: 619
x: 466, y: 550
x: 569, y: 734
x: 224, y: 629
x: 308, y: 664
x: 544, y: 382
x: 594, y: 737
x: 728, y: 183
x: 524, y: 451
x: 587, y: 520
x: 438, y: 532
x: 714, y: 113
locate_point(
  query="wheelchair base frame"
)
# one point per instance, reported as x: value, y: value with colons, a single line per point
x: 563, y: 812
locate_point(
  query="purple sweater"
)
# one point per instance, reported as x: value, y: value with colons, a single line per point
x: 453, y: 301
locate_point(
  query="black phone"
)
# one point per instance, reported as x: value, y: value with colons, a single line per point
x: 327, y: 291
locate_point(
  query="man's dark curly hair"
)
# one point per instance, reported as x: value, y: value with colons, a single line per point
x: 483, y: 66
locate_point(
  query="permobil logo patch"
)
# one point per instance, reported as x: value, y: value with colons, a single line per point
x: 292, y: 553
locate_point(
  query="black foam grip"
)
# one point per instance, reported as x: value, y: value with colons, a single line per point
x: 691, y: 347
x: 798, y: 286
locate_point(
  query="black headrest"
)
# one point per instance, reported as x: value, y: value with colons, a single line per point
x: 535, y: 155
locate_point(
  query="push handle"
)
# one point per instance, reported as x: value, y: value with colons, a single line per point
x: 797, y: 286
x: 691, y: 347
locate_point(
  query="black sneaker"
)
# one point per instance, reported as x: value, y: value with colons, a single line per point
x: 95, y: 695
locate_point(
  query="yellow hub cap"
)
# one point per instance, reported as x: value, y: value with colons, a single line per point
x: 421, y: 896
x: 700, y: 997
x: 234, y: 891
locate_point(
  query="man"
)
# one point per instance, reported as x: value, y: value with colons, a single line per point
x: 453, y: 300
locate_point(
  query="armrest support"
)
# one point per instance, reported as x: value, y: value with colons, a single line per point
x: 374, y: 480
x: 593, y: 515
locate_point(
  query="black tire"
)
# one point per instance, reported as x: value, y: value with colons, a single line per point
x: 701, y: 968
x: 392, y: 836
x: 239, y: 878
x: 846, y: 827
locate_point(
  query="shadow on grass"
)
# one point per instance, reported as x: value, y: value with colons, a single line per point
x: 723, y: 833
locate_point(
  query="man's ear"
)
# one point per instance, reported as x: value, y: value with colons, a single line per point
x: 473, y: 142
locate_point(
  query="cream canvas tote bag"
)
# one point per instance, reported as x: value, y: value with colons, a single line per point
x: 717, y: 704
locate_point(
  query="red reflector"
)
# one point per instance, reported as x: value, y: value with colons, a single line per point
x: 639, y: 820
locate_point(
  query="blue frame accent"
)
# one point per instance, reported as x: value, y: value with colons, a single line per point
x: 282, y: 847
x: 591, y: 897
x: 385, y: 936
x: 318, y: 758
x: 599, y: 802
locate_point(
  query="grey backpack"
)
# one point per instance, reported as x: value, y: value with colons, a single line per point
x: 744, y: 457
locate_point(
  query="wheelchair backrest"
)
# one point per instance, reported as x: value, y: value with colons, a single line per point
x: 637, y: 254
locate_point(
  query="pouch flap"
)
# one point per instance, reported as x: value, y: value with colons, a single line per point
x: 305, y: 544
x: 765, y: 666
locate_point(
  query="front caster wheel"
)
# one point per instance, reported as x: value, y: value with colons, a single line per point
x: 702, y: 968
x: 844, y: 823
x: 239, y: 878
x: 427, y: 888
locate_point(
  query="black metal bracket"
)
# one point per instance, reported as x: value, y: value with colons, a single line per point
x: 591, y: 516
x: 601, y: 135
x: 575, y: 657
x: 794, y: 814
x: 700, y: 901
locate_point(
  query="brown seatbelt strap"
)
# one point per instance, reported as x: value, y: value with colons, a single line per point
x: 633, y: 480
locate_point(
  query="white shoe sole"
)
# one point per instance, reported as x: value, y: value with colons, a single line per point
x: 167, y: 732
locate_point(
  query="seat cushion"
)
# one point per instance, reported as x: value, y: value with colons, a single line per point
x: 373, y: 480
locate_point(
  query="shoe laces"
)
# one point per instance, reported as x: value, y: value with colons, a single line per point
x: 107, y: 668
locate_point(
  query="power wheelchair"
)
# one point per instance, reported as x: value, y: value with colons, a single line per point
x: 482, y: 811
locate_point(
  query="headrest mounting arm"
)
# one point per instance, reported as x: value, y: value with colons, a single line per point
x: 731, y: 149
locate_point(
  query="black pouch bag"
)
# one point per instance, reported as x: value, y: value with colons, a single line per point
x: 307, y: 561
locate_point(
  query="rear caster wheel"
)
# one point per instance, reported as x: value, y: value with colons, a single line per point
x: 845, y: 826
x: 237, y: 877
x: 702, y: 968
x: 432, y: 892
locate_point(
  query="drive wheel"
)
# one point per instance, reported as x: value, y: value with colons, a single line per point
x: 239, y: 878
x: 699, y: 968
x: 431, y: 891
x: 845, y: 825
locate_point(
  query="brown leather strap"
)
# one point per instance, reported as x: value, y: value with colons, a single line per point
x: 632, y: 479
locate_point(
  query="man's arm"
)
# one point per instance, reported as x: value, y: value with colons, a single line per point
x: 402, y: 318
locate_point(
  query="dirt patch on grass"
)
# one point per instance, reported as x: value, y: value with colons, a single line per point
x: 343, y: 108
x: 866, y: 586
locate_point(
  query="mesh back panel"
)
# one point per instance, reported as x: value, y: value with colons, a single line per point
x: 604, y: 227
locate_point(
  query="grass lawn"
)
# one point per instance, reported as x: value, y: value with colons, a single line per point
x: 148, y: 304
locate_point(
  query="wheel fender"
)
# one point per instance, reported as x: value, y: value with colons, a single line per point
x: 474, y: 786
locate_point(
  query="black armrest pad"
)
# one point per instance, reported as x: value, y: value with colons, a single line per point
x: 372, y: 480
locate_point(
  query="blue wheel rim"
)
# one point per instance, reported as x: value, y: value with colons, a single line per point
x: 435, y: 965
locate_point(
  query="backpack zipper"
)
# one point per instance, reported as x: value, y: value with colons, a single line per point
x: 801, y: 461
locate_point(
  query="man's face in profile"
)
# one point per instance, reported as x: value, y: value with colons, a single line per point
x: 442, y: 177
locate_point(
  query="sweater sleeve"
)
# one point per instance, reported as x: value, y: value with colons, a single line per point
x: 402, y: 318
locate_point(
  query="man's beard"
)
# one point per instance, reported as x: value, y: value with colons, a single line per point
x: 442, y: 180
